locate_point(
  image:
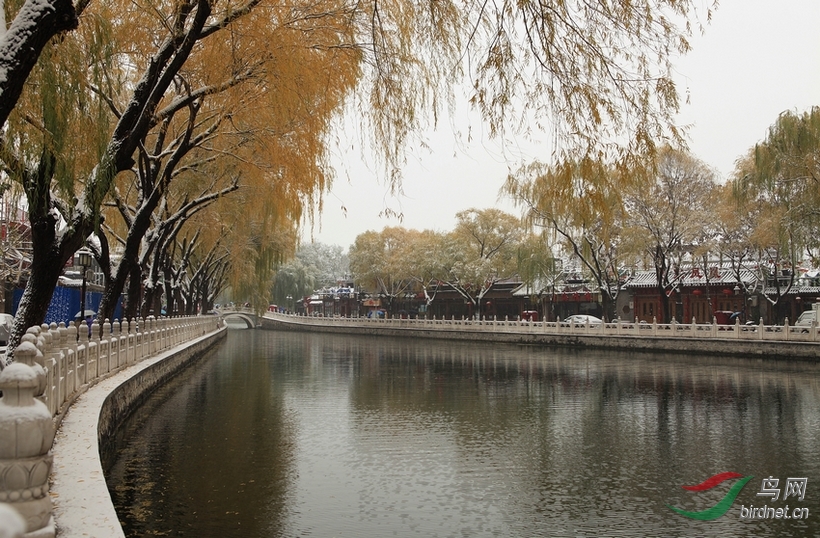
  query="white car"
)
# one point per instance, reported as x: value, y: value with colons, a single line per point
x: 806, y: 318
x: 582, y: 319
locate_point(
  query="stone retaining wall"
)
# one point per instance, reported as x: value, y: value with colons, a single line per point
x: 528, y: 335
x: 128, y: 396
x: 58, y: 368
x: 82, y: 504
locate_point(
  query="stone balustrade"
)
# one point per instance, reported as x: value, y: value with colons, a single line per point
x: 710, y: 339
x: 693, y: 330
x: 53, y: 365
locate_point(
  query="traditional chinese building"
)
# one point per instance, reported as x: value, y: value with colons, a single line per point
x: 718, y: 291
x: 560, y: 300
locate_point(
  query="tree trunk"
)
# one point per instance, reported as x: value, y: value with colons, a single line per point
x: 33, y: 27
x: 48, y: 259
x: 157, y: 303
x: 662, y: 275
x: 113, y: 291
x: 134, y: 293
x: 179, y: 302
x: 607, y: 305
x: 130, y: 257
x: 204, y: 301
x: 170, y: 299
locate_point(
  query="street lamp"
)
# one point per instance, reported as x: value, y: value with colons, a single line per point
x: 84, y: 261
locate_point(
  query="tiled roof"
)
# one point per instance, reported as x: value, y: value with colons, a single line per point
x: 695, y: 276
x: 560, y: 287
x: 795, y: 290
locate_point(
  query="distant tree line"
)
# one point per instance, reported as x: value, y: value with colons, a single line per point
x: 607, y: 219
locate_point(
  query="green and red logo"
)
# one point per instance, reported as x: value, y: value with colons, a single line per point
x: 725, y: 503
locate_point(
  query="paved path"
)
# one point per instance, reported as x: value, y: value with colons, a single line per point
x: 82, y: 504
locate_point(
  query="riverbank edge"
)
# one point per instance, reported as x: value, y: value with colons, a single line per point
x: 805, y: 351
x: 82, y: 506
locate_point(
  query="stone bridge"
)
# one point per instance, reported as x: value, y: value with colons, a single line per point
x: 248, y: 316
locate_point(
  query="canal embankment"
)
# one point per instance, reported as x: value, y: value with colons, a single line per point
x: 81, y: 501
x: 82, y: 504
x: 762, y: 341
x: 66, y: 390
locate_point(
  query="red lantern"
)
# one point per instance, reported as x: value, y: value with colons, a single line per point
x: 696, y: 292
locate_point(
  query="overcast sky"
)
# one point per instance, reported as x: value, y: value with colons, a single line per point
x: 756, y: 59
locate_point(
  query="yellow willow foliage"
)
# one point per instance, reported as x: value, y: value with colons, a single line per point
x: 56, y: 109
x: 596, y: 74
x: 267, y: 78
x: 574, y: 197
x: 780, y: 175
x: 252, y: 247
x: 255, y: 254
x: 267, y: 87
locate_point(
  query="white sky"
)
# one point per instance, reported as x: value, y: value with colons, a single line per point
x: 756, y: 59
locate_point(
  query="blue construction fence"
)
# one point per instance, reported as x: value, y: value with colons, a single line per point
x: 65, y: 304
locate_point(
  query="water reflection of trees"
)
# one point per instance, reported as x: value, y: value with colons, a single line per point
x: 518, y: 439
x: 586, y: 435
x: 175, y: 468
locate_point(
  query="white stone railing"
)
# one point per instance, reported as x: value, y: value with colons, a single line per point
x: 52, y: 367
x: 617, y: 328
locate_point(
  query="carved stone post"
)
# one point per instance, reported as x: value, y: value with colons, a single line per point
x: 106, y: 341
x: 26, y: 436
x: 33, y: 357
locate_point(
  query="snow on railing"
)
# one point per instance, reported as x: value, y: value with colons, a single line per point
x: 785, y: 332
x: 52, y: 367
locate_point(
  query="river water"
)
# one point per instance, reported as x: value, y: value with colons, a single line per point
x: 296, y: 434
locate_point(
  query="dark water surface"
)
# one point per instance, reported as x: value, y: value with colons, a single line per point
x: 293, y: 434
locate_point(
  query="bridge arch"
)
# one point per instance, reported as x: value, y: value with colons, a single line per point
x: 249, y: 319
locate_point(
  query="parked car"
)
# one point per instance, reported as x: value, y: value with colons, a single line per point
x: 582, y: 319
x: 529, y: 315
x: 806, y: 318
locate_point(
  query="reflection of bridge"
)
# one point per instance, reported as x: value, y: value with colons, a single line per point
x: 245, y: 314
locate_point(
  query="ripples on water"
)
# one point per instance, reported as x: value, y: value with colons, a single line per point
x: 291, y: 434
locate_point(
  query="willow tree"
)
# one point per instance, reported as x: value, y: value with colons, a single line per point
x: 667, y: 211
x: 791, y: 153
x: 157, y: 268
x: 784, y: 168
x: 736, y: 222
x: 151, y: 222
x: 596, y: 74
x: 380, y: 261
x: 39, y: 151
x: 258, y: 243
x: 255, y: 122
x: 581, y: 205
x: 34, y: 24
x: 482, y: 251
x: 775, y: 187
x: 540, y: 270
x: 314, y: 266
x: 140, y: 88
x: 427, y: 262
